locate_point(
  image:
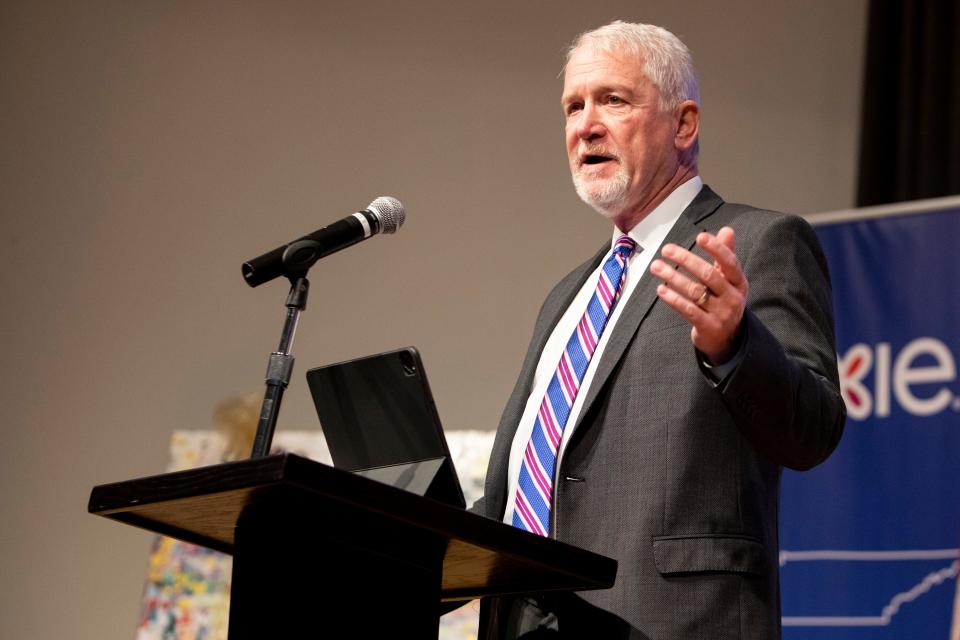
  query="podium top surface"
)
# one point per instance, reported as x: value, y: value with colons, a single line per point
x: 482, y: 557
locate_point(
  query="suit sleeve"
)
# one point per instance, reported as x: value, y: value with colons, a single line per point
x: 784, y: 394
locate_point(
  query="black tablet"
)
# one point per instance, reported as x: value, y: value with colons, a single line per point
x: 377, y: 412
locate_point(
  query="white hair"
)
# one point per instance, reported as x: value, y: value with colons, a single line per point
x: 665, y: 60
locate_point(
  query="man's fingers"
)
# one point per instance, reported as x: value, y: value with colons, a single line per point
x: 727, y: 237
x: 682, y: 305
x: 714, y: 325
x: 697, y: 267
x: 720, y: 248
x: 685, y: 286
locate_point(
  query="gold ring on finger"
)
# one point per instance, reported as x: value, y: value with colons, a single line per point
x: 702, y: 300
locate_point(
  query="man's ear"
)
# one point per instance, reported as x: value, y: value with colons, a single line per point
x: 688, y: 125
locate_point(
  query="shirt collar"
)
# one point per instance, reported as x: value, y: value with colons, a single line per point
x: 650, y: 232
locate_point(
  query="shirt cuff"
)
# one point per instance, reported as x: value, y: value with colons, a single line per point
x: 718, y: 374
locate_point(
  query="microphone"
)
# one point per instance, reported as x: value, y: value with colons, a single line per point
x: 384, y: 215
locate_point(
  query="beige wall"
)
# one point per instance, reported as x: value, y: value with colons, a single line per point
x: 150, y: 147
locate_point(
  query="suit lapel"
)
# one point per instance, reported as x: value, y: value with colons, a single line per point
x: 684, y: 233
x: 554, y: 308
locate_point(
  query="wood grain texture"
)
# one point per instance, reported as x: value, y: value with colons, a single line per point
x: 482, y: 556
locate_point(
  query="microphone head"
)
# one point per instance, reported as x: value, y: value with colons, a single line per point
x: 389, y: 211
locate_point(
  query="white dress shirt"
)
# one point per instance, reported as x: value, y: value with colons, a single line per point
x: 649, y: 234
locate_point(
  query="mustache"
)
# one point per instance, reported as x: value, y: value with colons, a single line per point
x: 585, y: 151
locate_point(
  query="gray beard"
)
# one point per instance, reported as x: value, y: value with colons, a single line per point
x: 606, y: 198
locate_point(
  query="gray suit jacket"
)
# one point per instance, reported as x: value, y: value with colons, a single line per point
x: 673, y: 476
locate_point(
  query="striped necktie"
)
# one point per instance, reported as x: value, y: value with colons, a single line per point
x: 535, y: 487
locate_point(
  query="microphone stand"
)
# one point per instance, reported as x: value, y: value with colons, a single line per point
x: 297, y: 260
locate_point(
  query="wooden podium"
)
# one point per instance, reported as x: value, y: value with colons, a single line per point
x: 321, y: 551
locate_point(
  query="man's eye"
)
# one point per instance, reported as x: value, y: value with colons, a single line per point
x: 573, y: 107
x: 614, y: 100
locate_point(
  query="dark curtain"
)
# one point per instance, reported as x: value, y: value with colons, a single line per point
x: 910, y: 136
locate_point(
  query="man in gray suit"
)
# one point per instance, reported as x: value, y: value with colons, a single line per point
x: 696, y: 360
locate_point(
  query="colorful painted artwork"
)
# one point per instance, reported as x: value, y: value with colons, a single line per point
x: 187, y: 595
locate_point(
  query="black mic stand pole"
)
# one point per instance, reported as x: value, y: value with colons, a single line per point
x: 297, y: 260
x: 279, y: 367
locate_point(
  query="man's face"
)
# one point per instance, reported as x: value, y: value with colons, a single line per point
x: 620, y: 145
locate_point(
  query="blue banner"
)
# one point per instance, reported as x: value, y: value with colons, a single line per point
x: 869, y: 540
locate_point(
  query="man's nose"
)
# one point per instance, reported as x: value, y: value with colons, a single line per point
x: 589, y: 124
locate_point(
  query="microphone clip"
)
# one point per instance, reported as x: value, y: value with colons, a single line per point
x: 299, y: 256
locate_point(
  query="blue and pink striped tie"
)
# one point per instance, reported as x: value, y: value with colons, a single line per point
x: 535, y: 488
